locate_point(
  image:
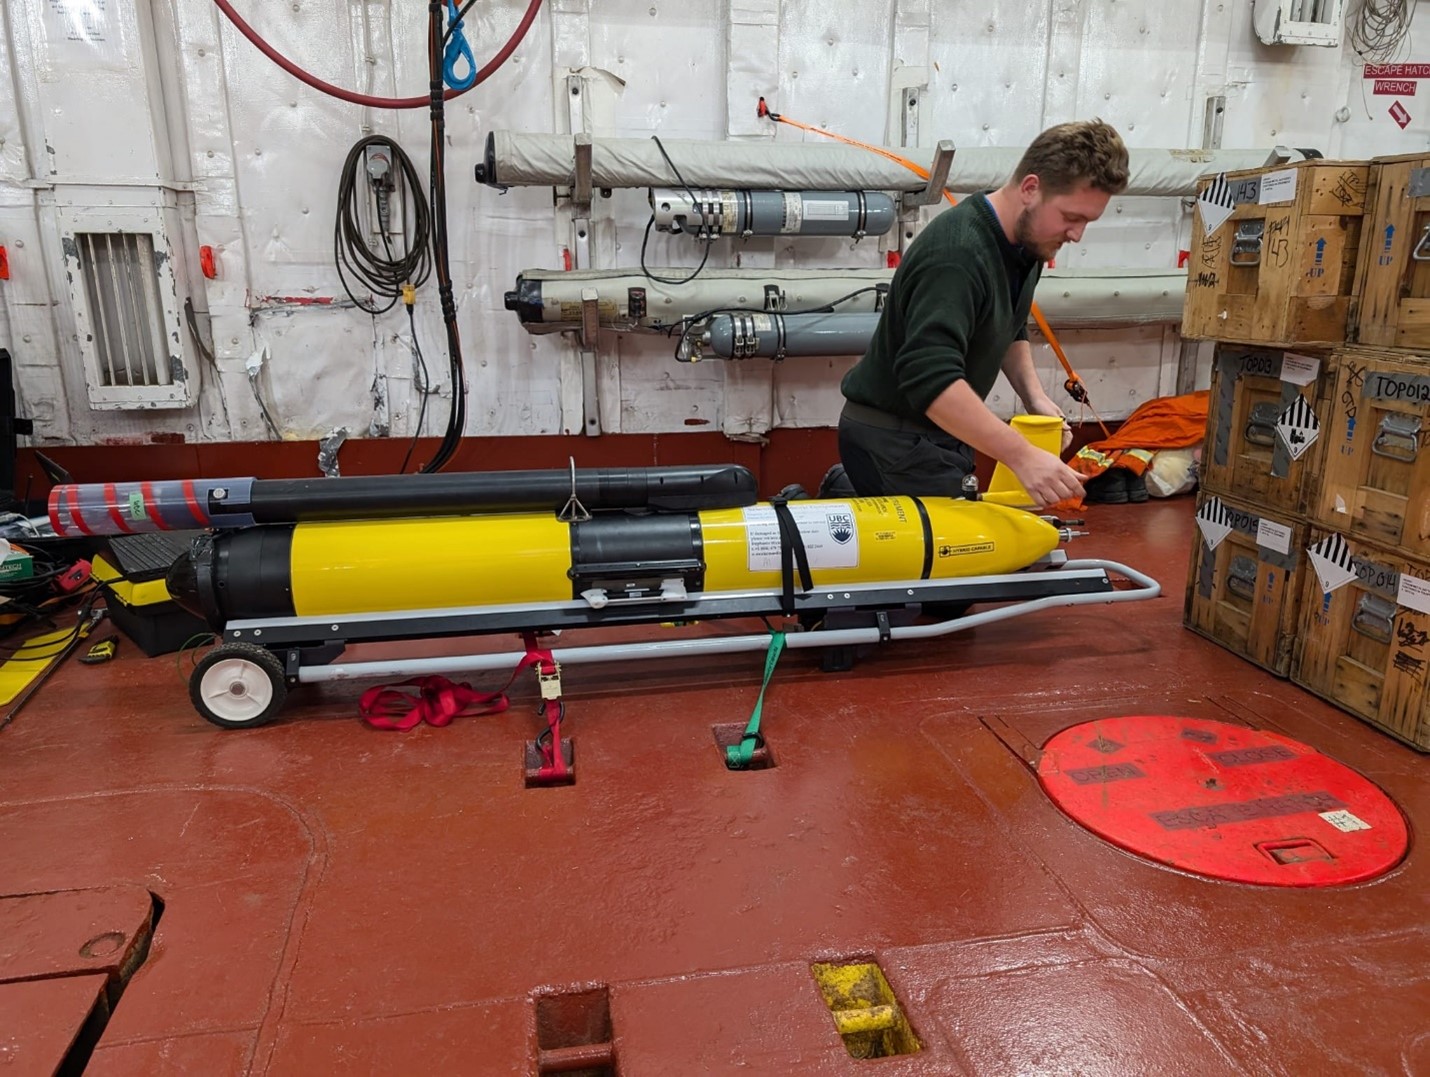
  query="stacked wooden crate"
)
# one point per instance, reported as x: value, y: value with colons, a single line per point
x: 1247, y: 566
x: 1313, y: 551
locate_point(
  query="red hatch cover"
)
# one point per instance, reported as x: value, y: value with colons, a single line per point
x: 1223, y: 800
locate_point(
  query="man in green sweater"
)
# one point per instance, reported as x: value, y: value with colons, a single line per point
x: 956, y: 315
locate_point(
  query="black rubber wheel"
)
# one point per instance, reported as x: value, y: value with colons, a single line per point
x: 238, y: 686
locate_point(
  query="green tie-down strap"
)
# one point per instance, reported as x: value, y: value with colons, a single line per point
x: 738, y: 756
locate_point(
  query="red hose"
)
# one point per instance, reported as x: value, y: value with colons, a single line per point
x: 366, y: 99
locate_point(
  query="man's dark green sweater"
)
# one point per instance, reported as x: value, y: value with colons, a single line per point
x: 958, y: 300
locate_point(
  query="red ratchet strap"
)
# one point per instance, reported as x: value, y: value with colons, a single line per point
x: 553, y: 759
x: 438, y: 700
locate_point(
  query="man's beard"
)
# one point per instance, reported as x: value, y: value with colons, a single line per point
x: 1023, y: 236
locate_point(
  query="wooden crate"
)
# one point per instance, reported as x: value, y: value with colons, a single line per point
x: 1375, y: 468
x: 1280, y: 272
x: 1360, y: 646
x: 1392, y: 295
x: 1255, y: 391
x: 1243, y: 594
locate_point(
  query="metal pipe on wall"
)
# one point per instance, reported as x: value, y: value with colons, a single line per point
x: 708, y: 212
x: 550, y: 301
x: 515, y: 159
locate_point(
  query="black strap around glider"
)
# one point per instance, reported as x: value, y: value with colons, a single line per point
x: 792, y: 552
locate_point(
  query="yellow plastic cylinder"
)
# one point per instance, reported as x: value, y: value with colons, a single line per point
x: 873, y: 539
x: 379, y: 566
x: 1043, y: 431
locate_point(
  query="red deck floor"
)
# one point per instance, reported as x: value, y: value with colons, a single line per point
x: 338, y: 899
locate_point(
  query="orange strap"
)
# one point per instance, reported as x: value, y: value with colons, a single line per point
x: 1074, y: 385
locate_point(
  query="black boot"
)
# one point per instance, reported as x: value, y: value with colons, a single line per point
x: 836, y: 484
x: 1109, y: 488
x: 1136, y: 487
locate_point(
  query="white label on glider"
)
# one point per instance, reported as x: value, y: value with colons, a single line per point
x: 827, y: 528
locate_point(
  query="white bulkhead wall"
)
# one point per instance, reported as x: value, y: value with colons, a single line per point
x: 160, y: 107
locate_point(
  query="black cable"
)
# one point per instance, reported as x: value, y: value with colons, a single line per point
x: 54, y: 647
x: 262, y: 407
x: 426, y: 388
x: 457, y: 419
x: 461, y: 14
x: 669, y: 280
x: 193, y: 323
x: 382, y: 273
x: 694, y: 204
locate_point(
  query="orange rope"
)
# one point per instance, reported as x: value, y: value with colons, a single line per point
x: 1074, y: 385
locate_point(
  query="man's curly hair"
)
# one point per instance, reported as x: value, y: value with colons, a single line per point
x: 1064, y: 156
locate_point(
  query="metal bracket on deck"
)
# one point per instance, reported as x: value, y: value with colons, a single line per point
x: 938, y: 176
x: 911, y: 202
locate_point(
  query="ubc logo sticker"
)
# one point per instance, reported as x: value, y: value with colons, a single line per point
x: 841, y: 527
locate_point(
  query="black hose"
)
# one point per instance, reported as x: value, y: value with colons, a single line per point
x: 382, y: 273
x: 457, y: 419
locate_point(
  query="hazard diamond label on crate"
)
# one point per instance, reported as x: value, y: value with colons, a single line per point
x: 1297, y: 427
x: 1399, y: 115
x: 1214, y: 521
x: 1216, y: 203
x: 1331, y: 558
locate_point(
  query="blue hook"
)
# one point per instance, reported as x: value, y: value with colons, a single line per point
x: 457, y: 50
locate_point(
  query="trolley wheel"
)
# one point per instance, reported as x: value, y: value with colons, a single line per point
x: 238, y: 686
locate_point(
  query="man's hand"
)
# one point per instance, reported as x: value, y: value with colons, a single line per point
x: 1046, y: 478
x: 1042, y: 405
x: 960, y: 411
x: 1018, y: 369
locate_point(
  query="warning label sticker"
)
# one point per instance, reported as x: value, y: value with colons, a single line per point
x: 1298, y: 427
x: 825, y: 210
x: 831, y: 539
x: 966, y: 548
x: 1345, y: 821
